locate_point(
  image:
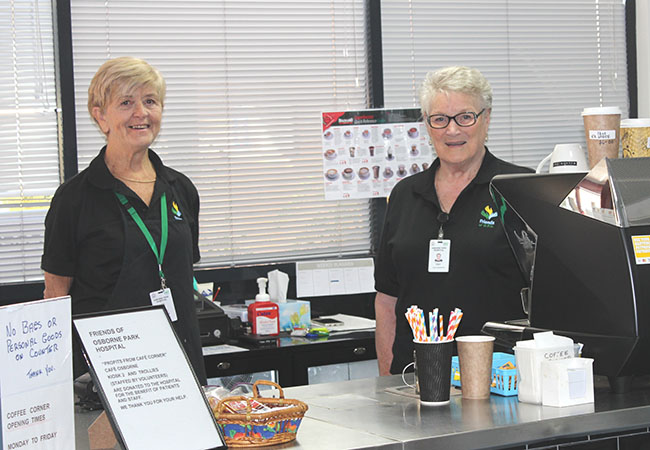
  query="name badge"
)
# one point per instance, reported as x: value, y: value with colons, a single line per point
x: 164, y: 297
x: 439, y: 252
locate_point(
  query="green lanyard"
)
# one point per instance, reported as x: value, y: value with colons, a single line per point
x: 147, y: 234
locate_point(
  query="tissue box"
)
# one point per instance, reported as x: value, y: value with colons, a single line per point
x: 567, y: 382
x: 295, y: 314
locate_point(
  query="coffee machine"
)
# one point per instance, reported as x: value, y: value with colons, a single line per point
x: 582, y: 240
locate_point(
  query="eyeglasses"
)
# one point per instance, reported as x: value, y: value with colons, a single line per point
x: 464, y: 119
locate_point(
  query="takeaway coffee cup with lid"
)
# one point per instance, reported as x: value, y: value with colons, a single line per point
x: 635, y: 138
x: 602, y: 127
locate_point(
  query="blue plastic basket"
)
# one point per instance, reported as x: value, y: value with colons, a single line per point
x: 504, y: 381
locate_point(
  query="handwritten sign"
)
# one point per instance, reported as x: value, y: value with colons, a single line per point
x: 36, y: 399
x: 150, y: 392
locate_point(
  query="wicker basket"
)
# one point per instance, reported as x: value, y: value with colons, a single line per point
x: 259, y: 429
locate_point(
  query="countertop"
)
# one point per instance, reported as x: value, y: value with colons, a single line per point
x: 364, y: 414
x: 379, y: 419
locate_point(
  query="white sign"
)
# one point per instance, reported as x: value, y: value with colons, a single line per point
x: 641, y: 249
x: 151, y: 393
x: 602, y: 135
x: 36, y: 398
x: 335, y: 277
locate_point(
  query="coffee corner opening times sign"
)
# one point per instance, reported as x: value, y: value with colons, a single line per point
x: 36, y: 398
x: 366, y: 152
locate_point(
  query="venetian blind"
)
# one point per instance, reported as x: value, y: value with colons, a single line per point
x: 29, y: 169
x: 546, y: 61
x: 246, y: 82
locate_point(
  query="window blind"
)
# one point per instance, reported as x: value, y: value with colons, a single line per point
x: 546, y: 61
x: 246, y: 82
x: 29, y: 172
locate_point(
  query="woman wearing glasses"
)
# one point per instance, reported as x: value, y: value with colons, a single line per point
x: 442, y: 244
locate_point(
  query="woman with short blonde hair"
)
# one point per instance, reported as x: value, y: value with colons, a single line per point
x: 124, y: 231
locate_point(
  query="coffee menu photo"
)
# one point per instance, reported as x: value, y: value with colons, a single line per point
x: 36, y: 398
x: 366, y: 152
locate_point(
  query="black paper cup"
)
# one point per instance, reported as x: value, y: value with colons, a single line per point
x: 433, y: 360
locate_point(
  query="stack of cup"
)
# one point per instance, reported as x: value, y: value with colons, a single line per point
x: 475, y: 361
x: 602, y: 132
x: 635, y: 138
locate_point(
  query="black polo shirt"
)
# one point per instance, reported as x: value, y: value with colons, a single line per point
x: 84, y: 227
x: 90, y: 236
x: 483, y: 279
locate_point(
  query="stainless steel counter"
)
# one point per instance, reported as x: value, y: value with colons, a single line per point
x: 363, y: 414
x: 379, y: 419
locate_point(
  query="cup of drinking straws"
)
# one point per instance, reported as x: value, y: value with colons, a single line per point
x: 433, y: 350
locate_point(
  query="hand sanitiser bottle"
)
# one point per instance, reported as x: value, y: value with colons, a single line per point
x: 264, y: 315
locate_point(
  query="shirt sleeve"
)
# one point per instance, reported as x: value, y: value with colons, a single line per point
x: 385, y: 273
x: 196, y: 254
x: 191, y: 197
x: 60, y: 246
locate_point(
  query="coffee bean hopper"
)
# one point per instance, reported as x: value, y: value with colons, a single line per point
x: 582, y: 241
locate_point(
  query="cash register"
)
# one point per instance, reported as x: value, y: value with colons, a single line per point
x: 215, y: 327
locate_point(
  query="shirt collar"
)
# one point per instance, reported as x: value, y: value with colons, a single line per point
x: 101, y: 177
x: 424, y: 185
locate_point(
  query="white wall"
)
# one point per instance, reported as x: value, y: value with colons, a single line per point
x: 643, y: 56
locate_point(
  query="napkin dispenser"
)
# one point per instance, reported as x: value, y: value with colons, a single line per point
x: 582, y: 240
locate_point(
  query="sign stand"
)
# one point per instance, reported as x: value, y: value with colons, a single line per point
x: 100, y: 434
x: 150, y: 393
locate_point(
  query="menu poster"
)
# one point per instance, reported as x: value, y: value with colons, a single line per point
x: 149, y: 390
x: 366, y: 152
x: 36, y: 396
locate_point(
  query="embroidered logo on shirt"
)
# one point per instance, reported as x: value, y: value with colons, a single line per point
x: 487, y: 221
x: 176, y: 212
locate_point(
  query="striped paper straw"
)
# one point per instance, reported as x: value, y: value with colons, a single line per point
x: 415, y: 317
x: 433, y: 324
x: 453, y: 326
x: 417, y: 320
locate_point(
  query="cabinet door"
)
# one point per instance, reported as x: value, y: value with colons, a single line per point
x: 243, y: 381
x: 342, y: 372
x: 274, y: 366
x: 341, y: 353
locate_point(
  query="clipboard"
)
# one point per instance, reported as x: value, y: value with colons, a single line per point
x: 150, y: 393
